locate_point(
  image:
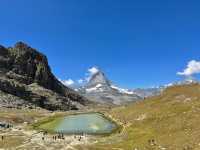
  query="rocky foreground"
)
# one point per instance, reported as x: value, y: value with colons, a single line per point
x: 26, y: 80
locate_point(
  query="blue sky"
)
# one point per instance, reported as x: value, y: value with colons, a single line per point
x: 137, y: 43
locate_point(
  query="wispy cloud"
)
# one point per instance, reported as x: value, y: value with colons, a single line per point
x: 93, y: 70
x: 90, y: 72
x: 68, y: 82
x: 80, y: 81
x: 193, y: 67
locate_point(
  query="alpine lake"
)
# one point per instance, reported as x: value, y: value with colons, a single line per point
x: 83, y: 123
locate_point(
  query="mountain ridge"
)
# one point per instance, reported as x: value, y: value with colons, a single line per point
x: 25, y: 73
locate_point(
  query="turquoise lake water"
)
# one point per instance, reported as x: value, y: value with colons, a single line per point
x: 93, y: 123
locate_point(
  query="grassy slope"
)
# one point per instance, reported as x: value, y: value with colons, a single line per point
x: 172, y: 120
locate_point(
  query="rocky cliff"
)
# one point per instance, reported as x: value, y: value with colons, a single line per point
x: 26, y: 80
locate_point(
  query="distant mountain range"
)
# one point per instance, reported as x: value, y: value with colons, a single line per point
x: 99, y: 88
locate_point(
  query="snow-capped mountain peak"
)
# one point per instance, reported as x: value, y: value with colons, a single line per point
x: 97, y: 79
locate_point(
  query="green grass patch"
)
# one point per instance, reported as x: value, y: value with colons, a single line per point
x: 47, y: 124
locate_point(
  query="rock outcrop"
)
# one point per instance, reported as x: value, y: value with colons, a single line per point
x: 26, y: 75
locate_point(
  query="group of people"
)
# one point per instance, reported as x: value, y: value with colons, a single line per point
x: 59, y: 136
x: 5, y: 125
x: 78, y: 137
x: 55, y: 137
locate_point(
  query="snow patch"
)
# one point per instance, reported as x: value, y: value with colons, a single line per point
x: 97, y: 87
x: 125, y: 91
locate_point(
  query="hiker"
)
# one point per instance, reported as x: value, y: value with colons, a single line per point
x: 44, y: 133
x: 152, y: 142
x: 43, y: 138
x: 2, y: 137
x: 59, y: 136
x: 62, y: 136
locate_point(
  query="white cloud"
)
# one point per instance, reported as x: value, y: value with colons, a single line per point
x: 67, y: 82
x: 193, y: 67
x: 80, y: 81
x: 90, y: 73
x: 93, y: 70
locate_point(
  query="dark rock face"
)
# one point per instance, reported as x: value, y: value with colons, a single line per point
x: 5, y: 60
x: 21, y: 67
